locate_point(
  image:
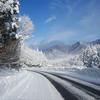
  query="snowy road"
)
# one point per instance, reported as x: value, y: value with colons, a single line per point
x: 40, y: 89
x: 46, y: 85
x: 32, y: 86
x: 73, y: 89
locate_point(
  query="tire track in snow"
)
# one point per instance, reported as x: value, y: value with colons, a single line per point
x: 77, y: 92
x: 65, y: 94
x: 51, y: 90
x: 83, y: 87
x: 26, y: 87
x: 46, y: 91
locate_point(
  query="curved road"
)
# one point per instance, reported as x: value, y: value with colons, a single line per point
x: 70, y: 89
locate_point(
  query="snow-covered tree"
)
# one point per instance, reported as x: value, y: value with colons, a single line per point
x: 8, y: 18
x: 77, y: 60
x: 32, y: 57
x: 86, y: 56
x: 95, y: 61
x: 91, y: 56
x: 13, y: 29
x: 8, y: 30
x: 26, y: 27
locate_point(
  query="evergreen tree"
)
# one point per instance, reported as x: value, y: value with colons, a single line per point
x: 8, y: 19
x: 91, y: 56
x: 86, y: 56
x: 8, y: 29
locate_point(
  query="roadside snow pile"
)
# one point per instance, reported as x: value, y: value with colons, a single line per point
x: 4, y: 71
x: 11, y: 80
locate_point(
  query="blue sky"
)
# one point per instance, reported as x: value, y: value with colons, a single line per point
x: 62, y: 21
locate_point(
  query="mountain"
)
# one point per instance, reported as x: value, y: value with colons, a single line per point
x: 96, y: 42
x: 77, y: 48
x: 61, y: 51
x: 57, y: 51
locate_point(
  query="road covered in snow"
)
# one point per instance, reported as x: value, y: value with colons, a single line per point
x: 71, y: 88
x: 38, y: 84
x: 27, y: 85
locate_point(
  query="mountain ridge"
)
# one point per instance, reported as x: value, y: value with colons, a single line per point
x: 60, y: 51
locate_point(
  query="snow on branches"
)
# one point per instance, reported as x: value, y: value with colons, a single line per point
x: 26, y: 27
x: 9, y: 46
x: 13, y: 29
x: 8, y: 18
x: 32, y: 57
x: 9, y: 6
x: 91, y: 56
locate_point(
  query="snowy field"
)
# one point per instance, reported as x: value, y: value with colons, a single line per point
x: 24, y: 85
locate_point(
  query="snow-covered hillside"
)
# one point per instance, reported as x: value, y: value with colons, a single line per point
x: 77, y: 48
x: 57, y: 51
x: 62, y: 51
x: 79, y: 54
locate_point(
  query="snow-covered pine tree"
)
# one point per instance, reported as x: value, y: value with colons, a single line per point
x: 91, y: 56
x: 8, y: 29
x: 95, y: 57
x: 8, y: 18
x: 86, y: 56
x: 95, y: 62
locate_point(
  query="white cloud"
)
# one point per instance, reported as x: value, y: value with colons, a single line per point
x: 50, y: 19
x: 65, y: 4
x: 91, y: 22
x: 87, y: 21
x: 89, y: 37
x: 58, y: 4
x: 65, y: 35
x: 72, y: 6
x: 45, y: 44
x: 53, y: 39
x: 92, y: 17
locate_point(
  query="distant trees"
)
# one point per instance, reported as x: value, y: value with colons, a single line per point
x: 89, y: 58
x: 32, y: 57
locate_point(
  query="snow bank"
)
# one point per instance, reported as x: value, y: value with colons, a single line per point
x: 12, y: 81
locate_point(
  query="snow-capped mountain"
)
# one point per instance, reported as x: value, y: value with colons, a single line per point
x: 61, y: 51
x: 57, y: 51
x: 77, y: 48
x: 96, y: 42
